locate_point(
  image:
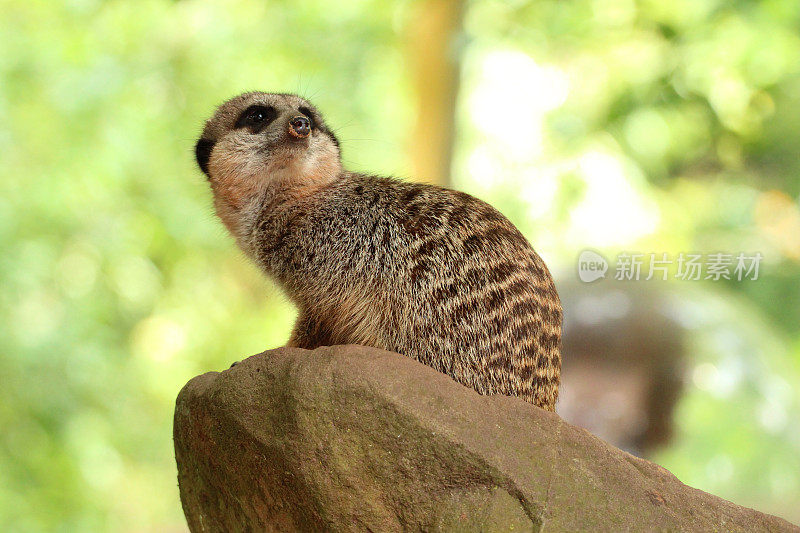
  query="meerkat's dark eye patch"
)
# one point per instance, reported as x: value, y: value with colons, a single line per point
x: 256, y: 117
x: 307, y: 112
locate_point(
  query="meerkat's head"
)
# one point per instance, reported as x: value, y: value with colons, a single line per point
x: 257, y: 140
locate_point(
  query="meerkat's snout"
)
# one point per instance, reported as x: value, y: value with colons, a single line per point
x: 300, y: 126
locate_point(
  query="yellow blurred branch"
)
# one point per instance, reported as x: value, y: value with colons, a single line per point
x: 433, y: 58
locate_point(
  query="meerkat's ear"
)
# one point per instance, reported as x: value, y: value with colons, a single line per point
x: 202, y: 151
x: 333, y: 137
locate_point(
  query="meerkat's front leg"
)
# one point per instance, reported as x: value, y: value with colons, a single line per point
x: 309, y: 333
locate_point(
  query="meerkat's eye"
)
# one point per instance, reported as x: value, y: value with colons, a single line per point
x: 307, y: 112
x: 256, y: 117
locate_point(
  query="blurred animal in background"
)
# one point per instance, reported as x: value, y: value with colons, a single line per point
x: 623, y: 362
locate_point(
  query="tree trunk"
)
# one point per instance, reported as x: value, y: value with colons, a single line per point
x: 434, y: 30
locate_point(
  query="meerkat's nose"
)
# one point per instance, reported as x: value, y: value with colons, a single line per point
x: 300, y: 126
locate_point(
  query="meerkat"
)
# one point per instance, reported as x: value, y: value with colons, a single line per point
x: 424, y: 271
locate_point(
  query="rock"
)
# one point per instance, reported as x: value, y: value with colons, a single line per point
x: 348, y: 438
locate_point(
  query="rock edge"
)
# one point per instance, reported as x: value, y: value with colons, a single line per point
x: 349, y: 438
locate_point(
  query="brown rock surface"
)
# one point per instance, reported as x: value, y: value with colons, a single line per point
x: 352, y: 438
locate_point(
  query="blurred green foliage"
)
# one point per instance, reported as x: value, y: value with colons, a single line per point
x: 648, y: 125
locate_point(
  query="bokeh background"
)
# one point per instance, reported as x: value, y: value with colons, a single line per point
x: 610, y: 125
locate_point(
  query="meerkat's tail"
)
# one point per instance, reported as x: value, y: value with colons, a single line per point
x: 547, y: 367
